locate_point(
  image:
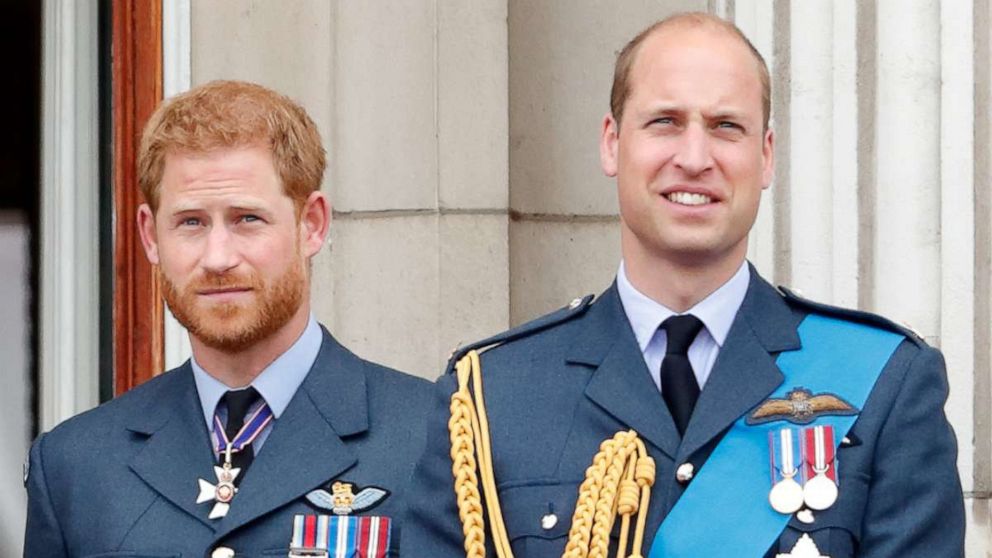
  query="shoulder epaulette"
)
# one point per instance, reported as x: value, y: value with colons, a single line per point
x: 574, y: 309
x: 792, y: 297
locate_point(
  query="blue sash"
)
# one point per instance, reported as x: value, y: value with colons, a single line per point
x: 725, y: 510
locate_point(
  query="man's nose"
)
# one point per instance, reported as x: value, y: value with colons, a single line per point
x: 694, y: 156
x: 220, y: 254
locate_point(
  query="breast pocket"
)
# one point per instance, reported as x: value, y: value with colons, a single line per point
x: 835, y: 531
x: 538, y: 516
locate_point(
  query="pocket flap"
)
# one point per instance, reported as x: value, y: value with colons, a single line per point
x: 538, y: 509
x: 846, y: 513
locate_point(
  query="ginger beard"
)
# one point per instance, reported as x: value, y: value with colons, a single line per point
x: 231, y: 326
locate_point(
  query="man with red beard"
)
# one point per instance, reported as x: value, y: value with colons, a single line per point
x: 273, y: 438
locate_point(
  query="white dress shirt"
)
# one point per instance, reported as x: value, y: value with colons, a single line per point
x: 716, y: 311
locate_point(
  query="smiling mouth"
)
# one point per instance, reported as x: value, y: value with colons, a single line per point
x: 688, y: 198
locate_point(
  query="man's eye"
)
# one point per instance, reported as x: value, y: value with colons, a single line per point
x: 250, y: 218
x: 726, y: 124
x: 664, y: 120
x: 190, y: 222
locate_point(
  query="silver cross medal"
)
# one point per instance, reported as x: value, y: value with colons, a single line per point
x: 805, y: 548
x: 223, y: 492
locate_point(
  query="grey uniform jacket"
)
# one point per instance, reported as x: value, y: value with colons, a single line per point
x: 559, y: 386
x: 121, y: 480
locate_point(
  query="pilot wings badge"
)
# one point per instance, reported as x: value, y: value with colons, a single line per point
x: 800, y: 406
x: 343, y: 501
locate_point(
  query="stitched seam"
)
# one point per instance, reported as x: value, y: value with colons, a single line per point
x: 135, y: 523
x: 48, y: 493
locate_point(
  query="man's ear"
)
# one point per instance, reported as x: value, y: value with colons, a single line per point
x: 315, y: 222
x: 608, y: 143
x: 146, y: 228
x: 768, y: 152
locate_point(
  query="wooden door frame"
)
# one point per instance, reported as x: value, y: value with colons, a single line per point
x: 136, y: 75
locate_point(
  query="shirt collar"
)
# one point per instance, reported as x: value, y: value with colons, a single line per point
x: 716, y: 311
x: 277, y: 383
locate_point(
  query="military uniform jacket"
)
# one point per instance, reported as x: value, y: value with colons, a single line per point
x: 557, y: 387
x: 121, y: 480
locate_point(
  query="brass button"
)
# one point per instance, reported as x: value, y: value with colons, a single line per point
x: 222, y: 552
x: 685, y: 472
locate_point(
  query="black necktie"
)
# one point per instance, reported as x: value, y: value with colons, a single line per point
x: 679, y: 387
x: 238, y: 403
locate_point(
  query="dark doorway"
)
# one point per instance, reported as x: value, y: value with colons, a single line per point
x: 20, y: 187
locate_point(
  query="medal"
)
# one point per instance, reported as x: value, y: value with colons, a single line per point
x: 820, y: 491
x: 223, y: 492
x: 786, y: 496
x: 804, y: 548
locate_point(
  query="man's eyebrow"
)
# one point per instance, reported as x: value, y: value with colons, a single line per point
x: 256, y: 207
x: 181, y: 208
x: 726, y: 113
x: 664, y: 108
x: 186, y: 207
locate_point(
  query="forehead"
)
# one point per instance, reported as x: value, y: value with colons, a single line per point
x: 223, y: 173
x: 703, y: 62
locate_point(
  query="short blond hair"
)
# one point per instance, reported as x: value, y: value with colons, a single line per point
x: 225, y: 114
x: 627, y: 57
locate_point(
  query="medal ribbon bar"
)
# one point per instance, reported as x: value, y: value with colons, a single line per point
x: 819, y: 446
x: 340, y: 536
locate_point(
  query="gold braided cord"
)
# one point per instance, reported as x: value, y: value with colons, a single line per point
x: 463, y: 468
x: 501, y: 540
x: 468, y: 427
x: 618, y: 482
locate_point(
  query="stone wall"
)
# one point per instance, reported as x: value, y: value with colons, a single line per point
x: 468, y: 197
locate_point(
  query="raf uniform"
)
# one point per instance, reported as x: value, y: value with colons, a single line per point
x: 122, y: 480
x: 557, y: 387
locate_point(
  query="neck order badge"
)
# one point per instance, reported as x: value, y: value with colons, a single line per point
x: 836, y: 356
x: 223, y: 492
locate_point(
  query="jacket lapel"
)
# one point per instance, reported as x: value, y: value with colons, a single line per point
x: 745, y: 372
x: 621, y: 383
x: 177, y: 450
x: 305, y: 448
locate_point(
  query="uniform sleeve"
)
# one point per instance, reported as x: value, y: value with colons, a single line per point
x: 915, y: 504
x: 432, y: 528
x: 43, y: 534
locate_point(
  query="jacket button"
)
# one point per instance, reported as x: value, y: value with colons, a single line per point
x: 222, y: 552
x: 685, y: 472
